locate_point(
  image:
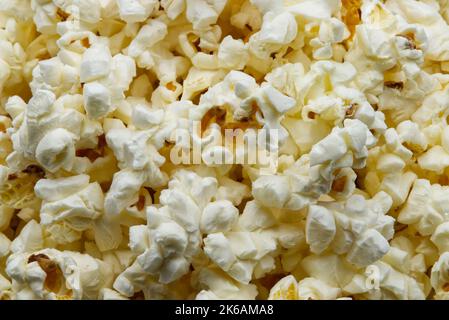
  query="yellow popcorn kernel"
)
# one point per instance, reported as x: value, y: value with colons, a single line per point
x: 351, y: 14
x: 285, y: 289
x: 18, y: 191
x: 54, y: 279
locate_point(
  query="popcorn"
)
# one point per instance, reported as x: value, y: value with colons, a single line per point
x: 285, y: 289
x: 31, y: 238
x: 46, y: 136
x: 345, y: 230
x: 172, y: 238
x: 339, y: 276
x: 331, y: 31
x: 412, y: 256
x: 118, y: 179
x: 134, y: 282
x: 148, y: 35
x: 427, y: 17
x: 203, y: 13
x: 320, y: 228
x: 219, y: 216
x: 56, y: 150
x: 439, y: 237
x: 54, y: 75
x: 12, y: 57
x: 218, y: 286
x: 315, y: 289
x: 16, y: 190
x: 425, y: 207
x: 136, y: 11
x: 4, y: 245
x: 232, y: 54
x: 312, y: 175
x: 97, y: 68
x: 277, y: 30
x: 392, y: 285
x: 52, y: 274
x: 248, y: 16
x: 69, y: 204
x: 140, y: 162
x: 439, y: 278
x: 387, y: 167
x: 109, y: 294
x: 249, y: 251
x: 97, y: 100
x: 435, y: 159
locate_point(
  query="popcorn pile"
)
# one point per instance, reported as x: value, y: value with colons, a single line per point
x: 95, y: 97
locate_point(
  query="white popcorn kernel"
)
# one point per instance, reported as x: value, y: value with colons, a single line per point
x: 145, y: 118
x: 97, y: 100
x: 398, y: 186
x: 173, y: 8
x: 109, y: 294
x: 390, y: 163
x: 232, y: 54
x: 255, y: 216
x: 202, y: 13
x: 172, y: 237
x: 57, y: 189
x: 315, y: 289
x: 320, y: 228
x: 151, y: 33
x: 138, y: 238
x: 232, y: 191
x: 330, y: 148
x: 243, y: 270
x: 419, y: 209
x: 136, y: 10
x: 30, y: 238
x: 56, y: 150
x: 123, y: 70
x: 173, y: 269
x: 96, y: 63
x: 123, y: 191
x: 223, y: 287
x: 440, y: 237
x: 15, y: 106
x: 218, y: 216
x: 218, y: 248
x: 77, y: 276
x: 410, y: 134
x: 277, y: 30
x: 72, y: 209
x: 370, y: 247
x: 242, y: 245
x: 435, y: 159
x: 271, y: 191
x: 440, y: 276
x: 107, y: 233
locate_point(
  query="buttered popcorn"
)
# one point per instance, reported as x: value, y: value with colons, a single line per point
x: 224, y: 149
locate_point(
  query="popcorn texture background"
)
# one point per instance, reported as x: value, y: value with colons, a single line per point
x: 94, y: 93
